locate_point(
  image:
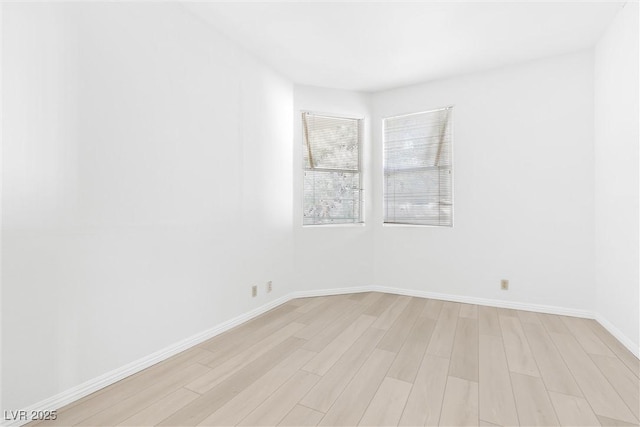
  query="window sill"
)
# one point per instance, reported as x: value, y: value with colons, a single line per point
x: 358, y: 224
x: 415, y: 225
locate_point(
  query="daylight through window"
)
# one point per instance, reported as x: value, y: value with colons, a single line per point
x: 332, y: 176
x: 418, y: 169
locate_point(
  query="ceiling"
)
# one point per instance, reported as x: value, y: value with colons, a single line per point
x: 373, y: 46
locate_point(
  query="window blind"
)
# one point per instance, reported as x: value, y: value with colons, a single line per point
x: 418, y: 169
x: 332, y: 178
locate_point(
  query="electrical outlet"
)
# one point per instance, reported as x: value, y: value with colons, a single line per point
x: 254, y: 290
x: 504, y: 284
x: 269, y: 286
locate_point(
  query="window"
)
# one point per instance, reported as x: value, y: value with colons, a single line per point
x: 332, y: 177
x: 418, y: 169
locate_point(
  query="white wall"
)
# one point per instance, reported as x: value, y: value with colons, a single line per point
x: 149, y: 178
x: 616, y: 174
x: 523, y: 187
x: 328, y: 256
x: 146, y: 185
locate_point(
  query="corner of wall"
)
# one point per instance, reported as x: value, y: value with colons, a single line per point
x: 616, y: 179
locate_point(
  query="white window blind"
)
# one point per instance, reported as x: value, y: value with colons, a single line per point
x: 418, y: 169
x: 332, y: 178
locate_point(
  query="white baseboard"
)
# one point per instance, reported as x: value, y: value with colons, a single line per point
x: 629, y: 344
x: 633, y: 347
x: 540, y: 308
x: 71, y: 395
x: 334, y: 291
x: 91, y: 386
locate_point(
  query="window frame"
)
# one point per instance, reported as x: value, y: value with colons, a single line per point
x: 451, y: 123
x: 360, y: 126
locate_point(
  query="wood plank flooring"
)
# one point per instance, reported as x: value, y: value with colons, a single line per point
x: 381, y: 359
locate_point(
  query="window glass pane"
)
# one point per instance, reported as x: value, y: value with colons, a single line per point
x: 331, y: 163
x: 331, y: 143
x: 418, y: 140
x: 418, y: 197
x: 331, y: 197
x: 417, y: 169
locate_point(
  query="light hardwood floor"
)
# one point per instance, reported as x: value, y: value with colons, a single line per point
x: 382, y: 359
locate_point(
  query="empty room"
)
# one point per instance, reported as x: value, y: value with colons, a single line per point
x: 320, y: 213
